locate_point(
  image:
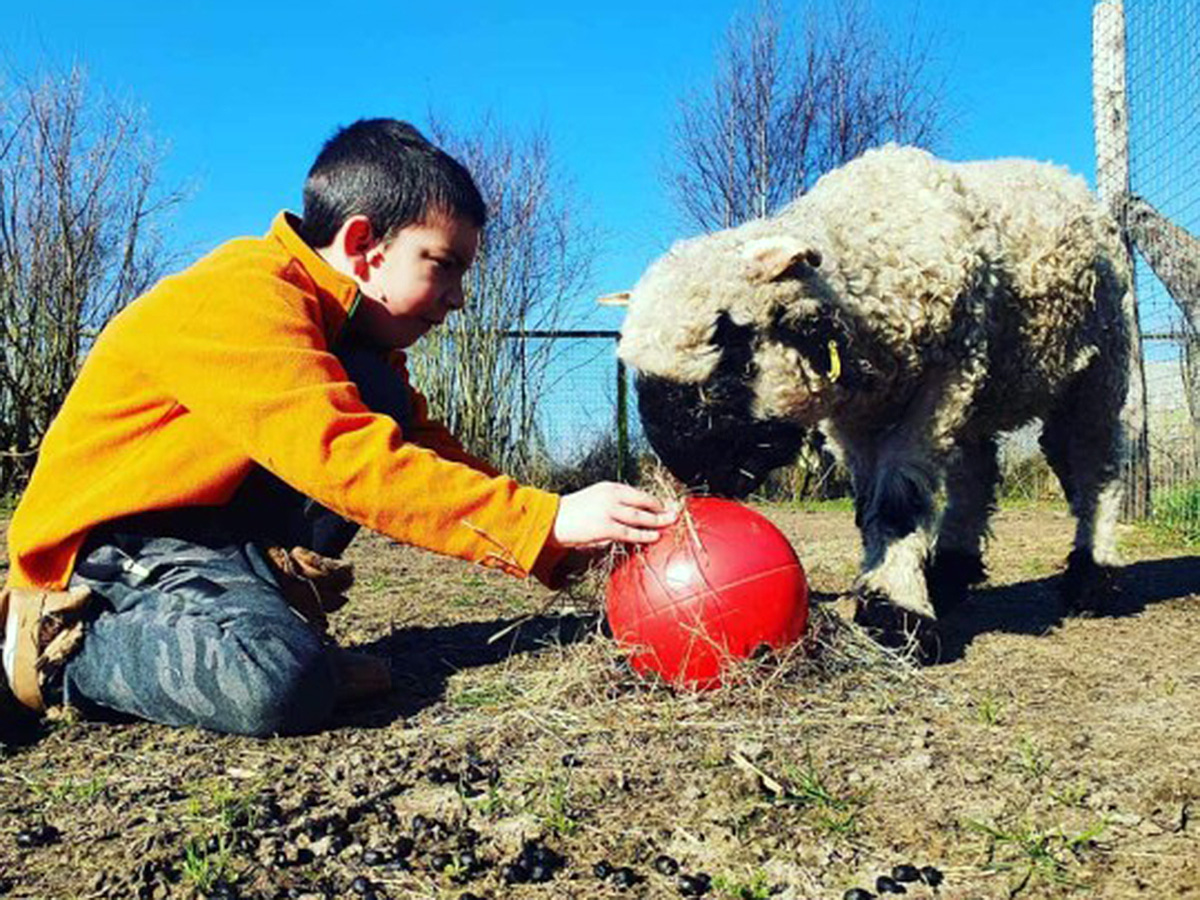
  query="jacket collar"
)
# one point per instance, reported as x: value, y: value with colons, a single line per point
x: 325, y: 277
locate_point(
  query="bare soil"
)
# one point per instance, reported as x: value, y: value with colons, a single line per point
x: 1042, y: 757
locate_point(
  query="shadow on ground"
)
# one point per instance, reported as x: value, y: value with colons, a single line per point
x: 423, y: 659
x: 1035, y: 607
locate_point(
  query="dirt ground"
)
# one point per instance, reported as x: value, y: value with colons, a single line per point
x: 1042, y: 757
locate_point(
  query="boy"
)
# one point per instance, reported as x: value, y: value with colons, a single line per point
x: 256, y: 402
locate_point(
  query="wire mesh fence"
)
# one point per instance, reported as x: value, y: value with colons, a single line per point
x: 585, y: 429
x: 1148, y: 49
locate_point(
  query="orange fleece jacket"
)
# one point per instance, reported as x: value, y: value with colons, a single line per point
x: 227, y: 365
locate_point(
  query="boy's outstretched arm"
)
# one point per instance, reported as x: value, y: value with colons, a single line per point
x: 607, y: 512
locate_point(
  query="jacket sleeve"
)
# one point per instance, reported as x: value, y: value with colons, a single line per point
x: 429, y: 432
x: 248, y: 356
x: 551, y: 566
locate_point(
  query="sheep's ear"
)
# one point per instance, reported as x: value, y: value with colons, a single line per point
x: 774, y: 259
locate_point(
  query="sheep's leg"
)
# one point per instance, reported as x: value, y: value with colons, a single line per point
x: 1084, y: 443
x: 895, y: 521
x: 971, y: 480
x: 896, y: 475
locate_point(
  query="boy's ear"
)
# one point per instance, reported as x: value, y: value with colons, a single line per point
x: 359, y: 244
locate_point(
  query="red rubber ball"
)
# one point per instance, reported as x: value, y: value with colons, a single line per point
x: 707, y: 593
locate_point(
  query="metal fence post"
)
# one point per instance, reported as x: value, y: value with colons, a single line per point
x: 624, y: 467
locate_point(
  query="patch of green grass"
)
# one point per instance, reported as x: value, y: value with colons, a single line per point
x: 1072, y: 794
x: 492, y: 804
x: 1030, y: 855
x: 1176, y: 513
x: 215, y: 809
x: 202, y: 868
x: 474, y: 581
x: 376, y: 582
x: 68, y: 790
x: 488, y: 695
x: 1031, y: 759
x: 548, y: 797
x: 833, y: 814
x: 755, y: 886
x: 989, y: 709
x: 477, y: 590
x: 1146, y: 539
x: 220, y: 806
x: 713, y: 756
x: 559, y: 816
x: 463, y: 602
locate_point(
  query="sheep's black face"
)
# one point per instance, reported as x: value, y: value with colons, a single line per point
x: 706, y: 434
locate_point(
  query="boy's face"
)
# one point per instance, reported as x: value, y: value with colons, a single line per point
x: 411, y: 282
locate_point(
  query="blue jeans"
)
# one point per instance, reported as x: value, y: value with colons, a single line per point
x: 190, y: 626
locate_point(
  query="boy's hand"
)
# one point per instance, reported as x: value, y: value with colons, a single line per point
x: 607, y: 512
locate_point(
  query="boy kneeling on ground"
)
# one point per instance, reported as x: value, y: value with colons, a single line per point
x: 174, y: 554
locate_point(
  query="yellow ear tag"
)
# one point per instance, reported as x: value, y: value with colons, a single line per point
x: 835, y: 362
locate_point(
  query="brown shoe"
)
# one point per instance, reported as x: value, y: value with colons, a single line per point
x: 47, y: 628
x: 360, y: 676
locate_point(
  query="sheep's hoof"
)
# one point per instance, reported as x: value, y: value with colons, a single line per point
x: 900, y: 629
x: 949, y: 574
x: 1089, y: 588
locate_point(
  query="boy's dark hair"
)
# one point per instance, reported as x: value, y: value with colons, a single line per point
x: 389, y: 172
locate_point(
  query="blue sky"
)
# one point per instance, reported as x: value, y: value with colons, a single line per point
x: 244, y: 94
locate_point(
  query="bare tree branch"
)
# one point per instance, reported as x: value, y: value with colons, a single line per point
x: 789, y: 104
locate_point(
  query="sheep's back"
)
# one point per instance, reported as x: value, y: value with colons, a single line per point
x: 902, y: 244
x: 1057, y: 274
x: 1019, y: 251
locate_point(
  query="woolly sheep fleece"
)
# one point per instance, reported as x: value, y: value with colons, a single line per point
x: 913, y: 308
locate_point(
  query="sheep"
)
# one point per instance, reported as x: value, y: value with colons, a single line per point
x: 914, y: 309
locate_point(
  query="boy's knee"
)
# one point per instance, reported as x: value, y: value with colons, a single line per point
x: 291, y: 689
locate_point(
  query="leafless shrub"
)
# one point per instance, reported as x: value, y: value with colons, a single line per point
x: 815, y: 475
x: 79, y: 207
x: 600, y: 460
